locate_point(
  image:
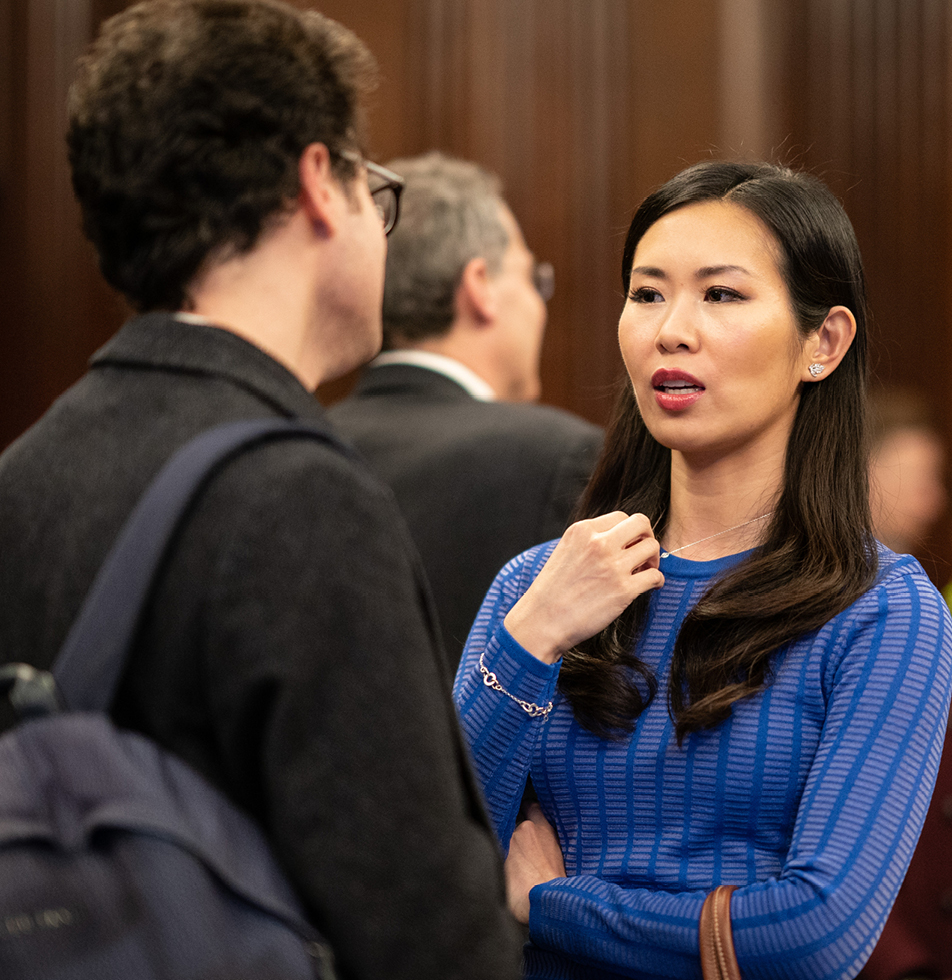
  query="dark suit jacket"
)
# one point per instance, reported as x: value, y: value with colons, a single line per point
x: 478, y: 482
x: 287, y: 653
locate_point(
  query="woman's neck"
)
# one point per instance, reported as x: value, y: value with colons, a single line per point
x: 720, y: 508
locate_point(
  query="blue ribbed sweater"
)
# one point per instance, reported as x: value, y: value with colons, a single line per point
x: 810, y: 798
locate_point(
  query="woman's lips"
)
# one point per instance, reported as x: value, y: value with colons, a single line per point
x: 675, y: 390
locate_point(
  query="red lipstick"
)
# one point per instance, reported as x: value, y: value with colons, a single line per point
x: 675, y: 390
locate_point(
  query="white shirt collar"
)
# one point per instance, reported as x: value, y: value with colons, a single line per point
x: 195, y: 318
x: 447, y: 366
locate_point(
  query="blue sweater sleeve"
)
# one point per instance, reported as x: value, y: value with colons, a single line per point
x: 885, y: 677
x: 501, y: 734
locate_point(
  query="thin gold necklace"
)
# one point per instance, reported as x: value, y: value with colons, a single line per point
x: 736, y: 527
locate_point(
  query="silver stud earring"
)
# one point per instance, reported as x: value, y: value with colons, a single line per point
x: 816, y: 370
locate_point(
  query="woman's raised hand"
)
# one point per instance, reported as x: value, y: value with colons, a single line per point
x: 598, y: 568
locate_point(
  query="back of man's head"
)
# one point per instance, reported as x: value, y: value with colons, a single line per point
x: 451, y: 212
x: 187, y: 122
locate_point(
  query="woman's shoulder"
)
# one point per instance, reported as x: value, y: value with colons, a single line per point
x: 527, y: 565
x: 901, y: 572
x: 902, y: 596
x: 516, y: 576
x: 899, y: 627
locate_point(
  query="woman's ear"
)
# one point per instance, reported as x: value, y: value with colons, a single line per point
x: 827, y: 346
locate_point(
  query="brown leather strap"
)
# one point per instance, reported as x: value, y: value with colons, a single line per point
x: 718, y: 961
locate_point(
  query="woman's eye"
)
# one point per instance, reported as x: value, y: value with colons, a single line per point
x: 721, y: 294
x: 644, y: 294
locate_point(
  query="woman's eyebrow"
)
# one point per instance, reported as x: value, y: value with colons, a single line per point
x: 716, y: 270
x: 705, y: 272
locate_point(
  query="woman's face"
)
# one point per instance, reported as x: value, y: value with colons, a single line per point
x: 709, y: 337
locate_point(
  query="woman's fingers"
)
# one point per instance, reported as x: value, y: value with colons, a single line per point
x: 548, y: 841
x: 534, y: 857
x: 597, y: 569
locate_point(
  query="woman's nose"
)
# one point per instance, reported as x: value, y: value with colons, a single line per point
x: 678, y: 328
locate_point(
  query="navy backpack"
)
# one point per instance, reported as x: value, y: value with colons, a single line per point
x: 117, y: 860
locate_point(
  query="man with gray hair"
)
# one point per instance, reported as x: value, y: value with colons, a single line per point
x: 478, y: 478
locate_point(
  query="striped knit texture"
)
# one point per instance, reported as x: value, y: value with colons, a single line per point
x: 810, y: 798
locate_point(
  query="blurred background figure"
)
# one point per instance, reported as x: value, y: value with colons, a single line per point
x: 908, y: 496
x: 907, y: 479
x: 479, y: 478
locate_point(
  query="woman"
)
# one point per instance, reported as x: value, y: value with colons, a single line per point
x: 717, y: 677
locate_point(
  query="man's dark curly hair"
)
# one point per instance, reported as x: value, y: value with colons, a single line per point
x: 187, y: 122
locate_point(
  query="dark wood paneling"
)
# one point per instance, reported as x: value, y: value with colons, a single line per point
x: 14, y: 298
x: 580, y: 108
x: 58, y: 311
x: 874, y: 120
x: 869, y: 96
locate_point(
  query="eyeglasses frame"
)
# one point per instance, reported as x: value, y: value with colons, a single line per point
x: 391, y: 182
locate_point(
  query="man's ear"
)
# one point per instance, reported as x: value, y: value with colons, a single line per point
x: 319, y: 189
x: 825, y: 348
x: 474, y: 295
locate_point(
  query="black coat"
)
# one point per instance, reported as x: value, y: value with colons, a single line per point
x: 478, y: 482
x: 288, y: 653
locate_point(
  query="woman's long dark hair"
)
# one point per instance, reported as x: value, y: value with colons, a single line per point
x: 819, y: 555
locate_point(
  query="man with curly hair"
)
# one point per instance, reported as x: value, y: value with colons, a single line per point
x: 288, y: 651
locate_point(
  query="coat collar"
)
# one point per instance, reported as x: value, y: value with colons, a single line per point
x: 451, y: 368
x: 159, y: 341
x: 411, y: 381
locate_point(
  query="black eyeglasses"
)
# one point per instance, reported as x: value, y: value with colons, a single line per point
x: 385, y: 189
x: 543, y: 278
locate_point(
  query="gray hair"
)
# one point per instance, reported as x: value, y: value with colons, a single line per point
x: 450, y: 213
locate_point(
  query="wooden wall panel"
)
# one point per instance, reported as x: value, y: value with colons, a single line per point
x: 56, y: 309
x: 869, y: 101
x: 12, y: 299
x: 581, y: 109
x: 875, y: 120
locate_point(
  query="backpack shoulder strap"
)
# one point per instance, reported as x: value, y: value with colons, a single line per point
x: 90, y: 663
